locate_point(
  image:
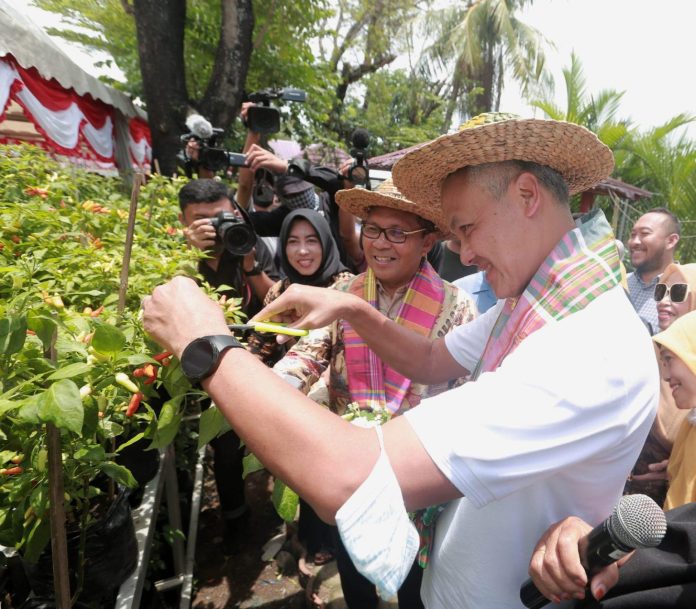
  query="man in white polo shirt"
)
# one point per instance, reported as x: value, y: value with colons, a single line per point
x: 565, y: 384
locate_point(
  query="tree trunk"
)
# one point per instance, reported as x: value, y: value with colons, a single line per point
x: 160, y: 32
x: 223, y: 96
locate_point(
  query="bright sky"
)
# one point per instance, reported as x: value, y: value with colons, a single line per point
x: 643, y: 47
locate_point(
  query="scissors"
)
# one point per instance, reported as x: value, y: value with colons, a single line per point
x: 268, y: 326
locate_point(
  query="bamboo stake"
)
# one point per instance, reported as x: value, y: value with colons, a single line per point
x: 59, y: 541
x: 123, y: 285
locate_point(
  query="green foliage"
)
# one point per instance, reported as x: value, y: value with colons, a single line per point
x: 63, y: 339
x: 661, y: 160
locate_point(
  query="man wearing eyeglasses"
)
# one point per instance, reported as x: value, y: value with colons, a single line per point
x: 395, y: 236
x: 654, y: 237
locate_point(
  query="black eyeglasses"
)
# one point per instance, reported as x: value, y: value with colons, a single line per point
x: 394, y: 235
x: 676, y: 292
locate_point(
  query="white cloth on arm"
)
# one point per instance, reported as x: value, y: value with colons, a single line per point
x: 553, y: 432
x: 375, y: 528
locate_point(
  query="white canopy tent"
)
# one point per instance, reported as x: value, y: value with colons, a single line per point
x: 49, y: 100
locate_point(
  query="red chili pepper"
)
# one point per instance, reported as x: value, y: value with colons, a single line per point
x: 134, y: 404
x: 138, y: 372
x: 11, y: 471
x: 162, y: 356
x: 165, y: 362
x: 97, y: 312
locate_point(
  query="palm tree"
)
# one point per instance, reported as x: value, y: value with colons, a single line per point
x: 477, y: 43
x: 597, y: 113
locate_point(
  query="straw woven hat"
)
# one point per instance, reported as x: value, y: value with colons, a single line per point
x: 358, y: 201
x: 570, y: 149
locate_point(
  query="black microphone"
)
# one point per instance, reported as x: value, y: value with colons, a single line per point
x: 636, y: 522
x: 360, y: 138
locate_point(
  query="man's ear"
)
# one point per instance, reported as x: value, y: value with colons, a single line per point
x: 528, y: 192
x: 428, y: 242
x: 672, y: 241
x: 181, y: 218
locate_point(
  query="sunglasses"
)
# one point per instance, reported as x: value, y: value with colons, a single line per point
x: 676, y: 292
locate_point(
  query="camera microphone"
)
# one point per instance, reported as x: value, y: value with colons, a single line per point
x: 636, y: 522
x: 360, y: 138
x: 199, y: 126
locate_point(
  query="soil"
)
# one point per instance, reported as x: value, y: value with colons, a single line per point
x: 243, y: 579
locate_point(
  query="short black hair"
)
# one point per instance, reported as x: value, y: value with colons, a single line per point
x: 204, y: 190
x: 673, y: 225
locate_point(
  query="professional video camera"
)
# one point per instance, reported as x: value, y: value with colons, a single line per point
x: 359, y: 171
x: 236, y: 236
x: 264, y: 119
x: 210, y: 155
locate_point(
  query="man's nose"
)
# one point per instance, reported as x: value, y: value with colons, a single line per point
x: 466, y: 254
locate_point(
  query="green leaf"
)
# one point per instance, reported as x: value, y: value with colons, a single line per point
x: 7, y: 405
x: 121, y: 474
x: 94, y: 452
x: 62, y: 406
x: 133, y: 440
x: 285, y: 501
x: 211, y: 424
x: 167, y: 423
x: 13, y: 333
x: 43, y: 326
x: 108, y: 339
x: 70, y: 371
x: 37, y: 539
x: 251, y: 465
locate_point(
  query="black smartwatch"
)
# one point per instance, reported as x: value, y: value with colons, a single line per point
x: 202, y: 356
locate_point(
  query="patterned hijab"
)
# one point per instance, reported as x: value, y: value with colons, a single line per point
x: 330, y: 265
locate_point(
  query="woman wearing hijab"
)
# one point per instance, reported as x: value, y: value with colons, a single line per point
x: 309, y: 256
x: 675, y: 294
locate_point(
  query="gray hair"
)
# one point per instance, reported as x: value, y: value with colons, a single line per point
x: 497, y: 177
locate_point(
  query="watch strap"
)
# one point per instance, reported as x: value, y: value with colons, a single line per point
x: 202, y: 356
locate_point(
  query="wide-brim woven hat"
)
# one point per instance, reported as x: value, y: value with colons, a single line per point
x: 359, y: 201
x: 572, y: 150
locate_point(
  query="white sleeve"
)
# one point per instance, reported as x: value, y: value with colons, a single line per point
x: 549, y: 406
x: 467, y: 342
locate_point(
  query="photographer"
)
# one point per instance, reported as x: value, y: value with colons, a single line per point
x: 250, y: 275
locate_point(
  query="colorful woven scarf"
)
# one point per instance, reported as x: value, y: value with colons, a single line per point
x: 582, y: 266
x: 372, y: 384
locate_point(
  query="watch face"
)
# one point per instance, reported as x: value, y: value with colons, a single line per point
x: 197, y: 359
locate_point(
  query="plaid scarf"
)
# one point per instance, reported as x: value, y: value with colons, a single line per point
x: 372, y: 384
x: 582, y: 266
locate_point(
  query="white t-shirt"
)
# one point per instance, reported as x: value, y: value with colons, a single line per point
x: 552, y: 433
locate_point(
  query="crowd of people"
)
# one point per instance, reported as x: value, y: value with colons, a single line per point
x: 493, y: 420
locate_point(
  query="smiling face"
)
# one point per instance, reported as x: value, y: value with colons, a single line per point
x: 491, y: 233
x: 395, y: 264
x: 651, y: 244
x: 668, y: 311
x: 303, y: 248
x: 681, y: 380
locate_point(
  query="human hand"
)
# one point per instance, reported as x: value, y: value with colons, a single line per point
x: 179, y: 312
x: 193, y: 147
x: 249, y: 261
x: 556, y: 568
x: 201, y: 234
x: 307, y: 307
x: 244, y: 112
x: 343, y: 170
x: 257, y: 158
x: 656, y: 471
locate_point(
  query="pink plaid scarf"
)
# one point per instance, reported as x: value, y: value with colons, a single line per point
x: 373, y: 384
x: 583, y: 265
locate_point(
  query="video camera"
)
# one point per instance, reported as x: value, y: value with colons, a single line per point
x: 264, y: 119
x: 359, y: 171
x: 210, y: 155
x: 236, y: 236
